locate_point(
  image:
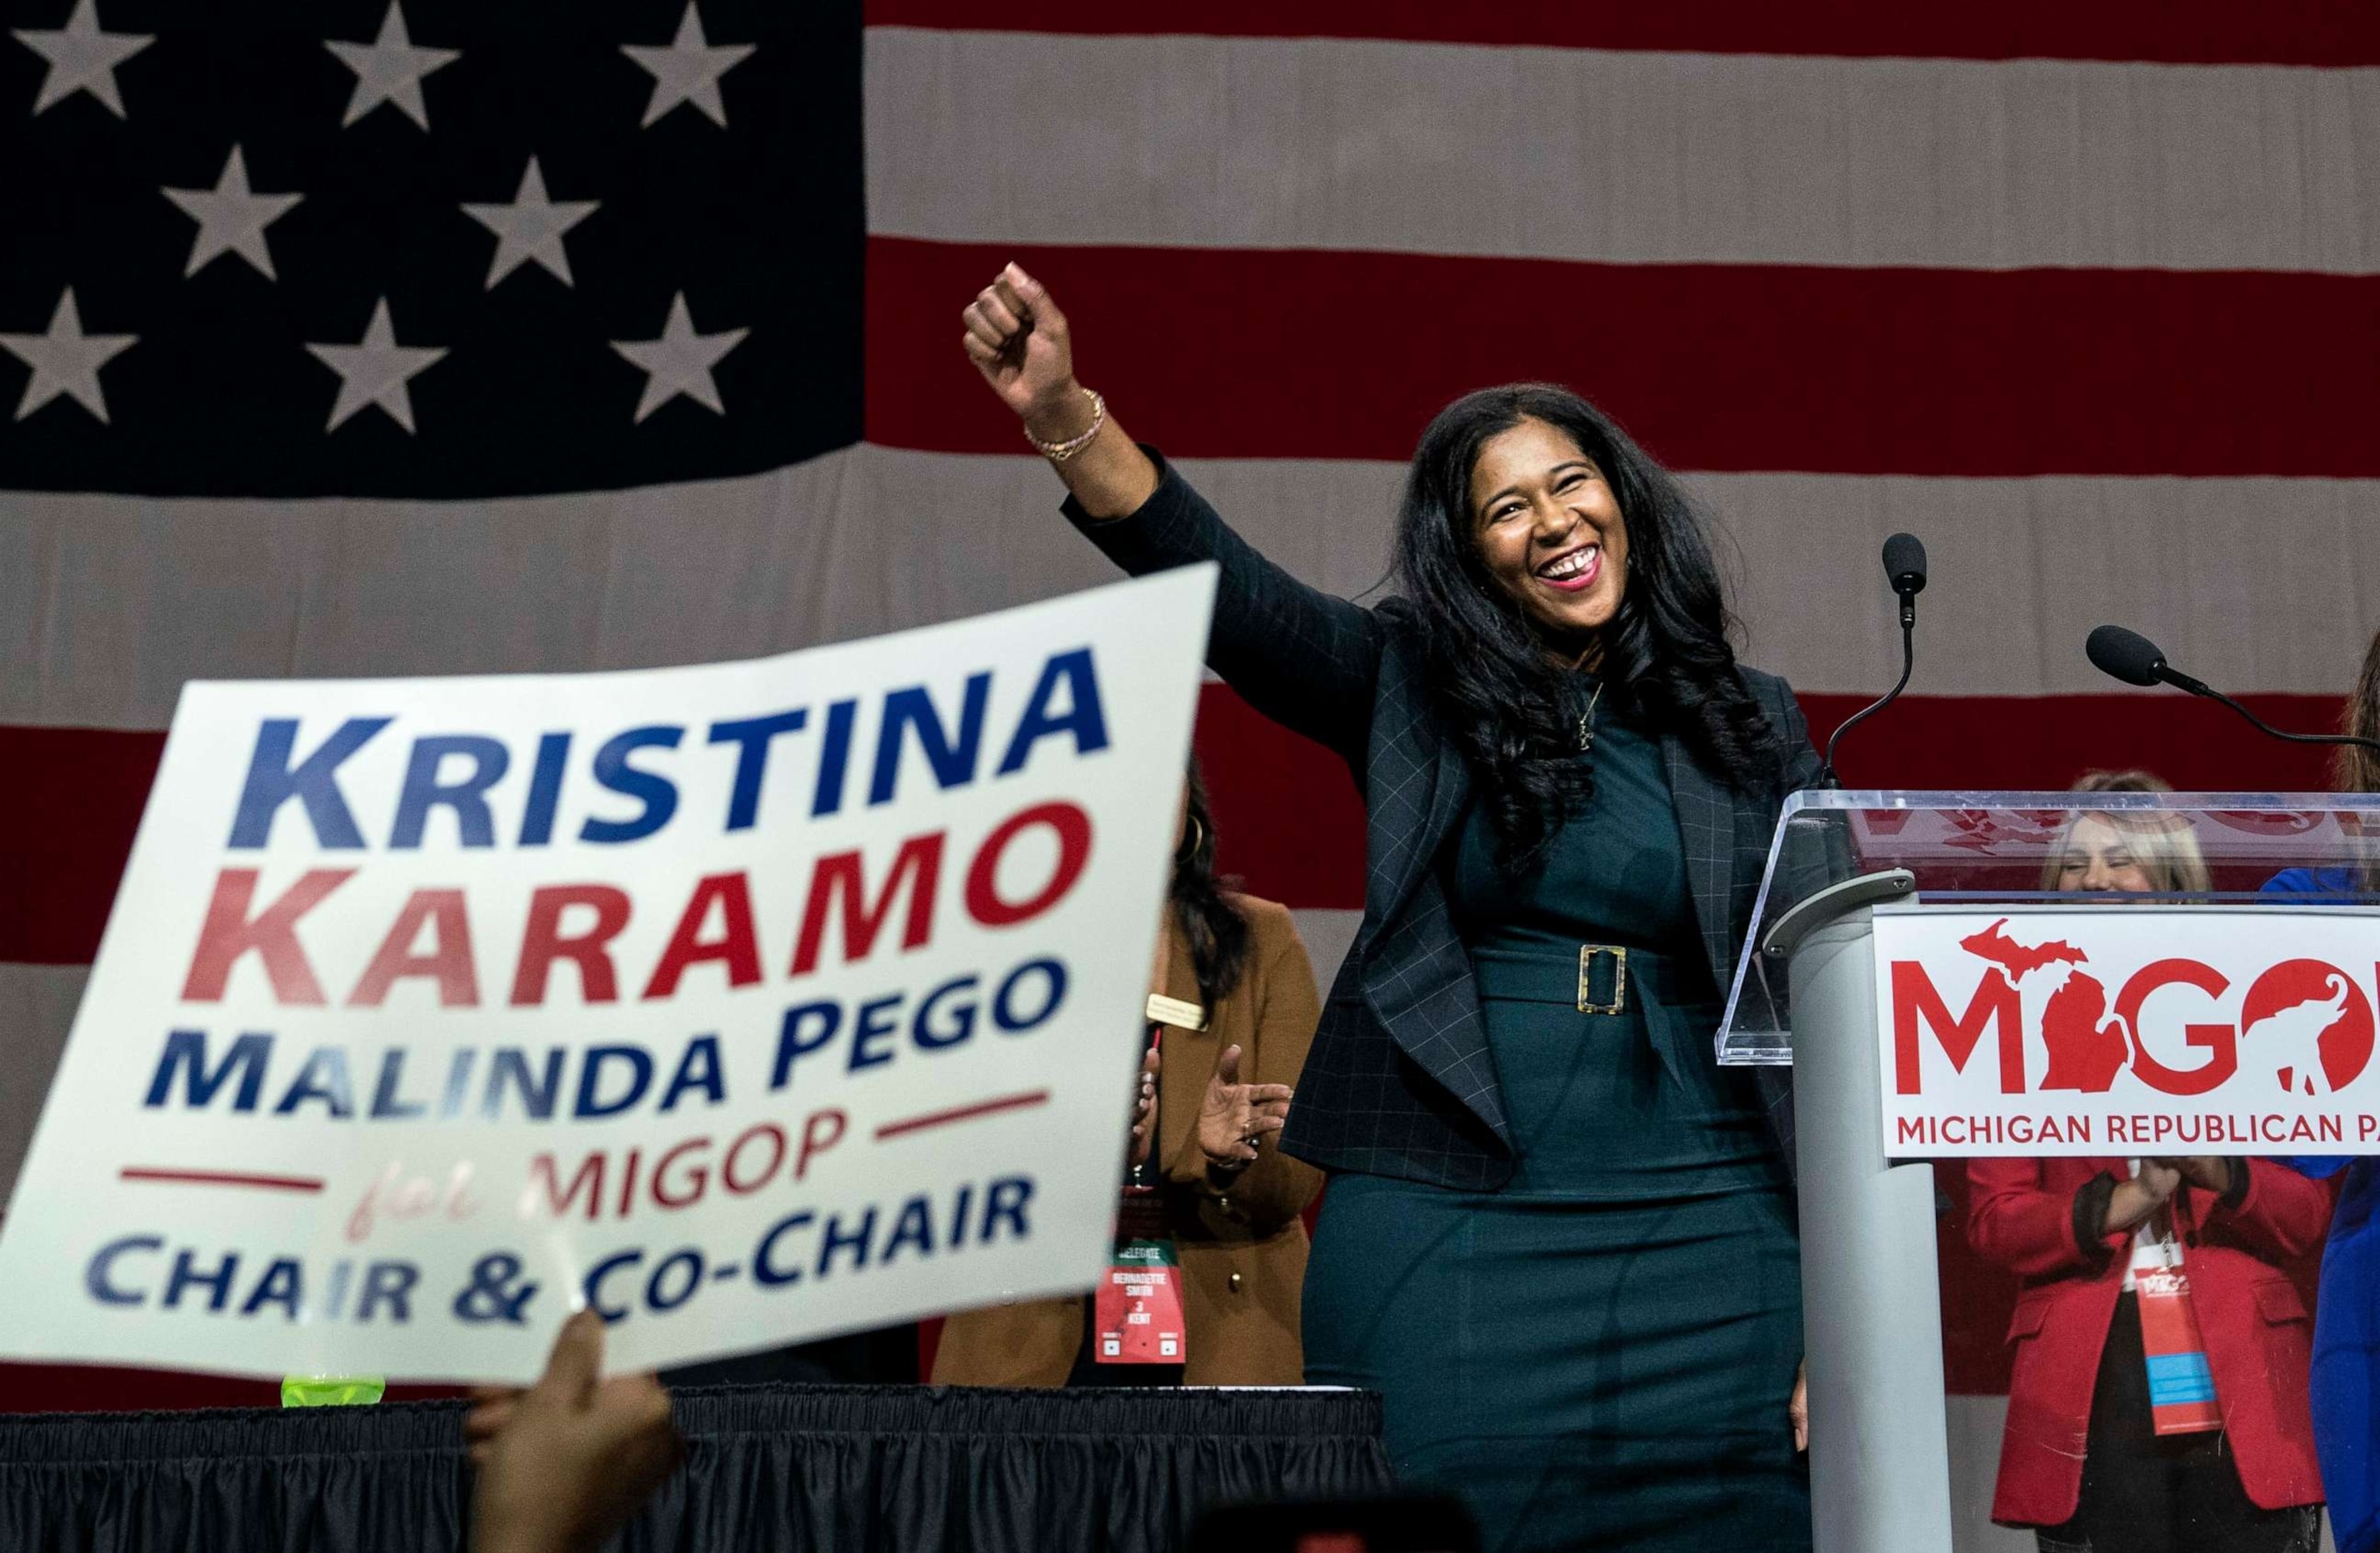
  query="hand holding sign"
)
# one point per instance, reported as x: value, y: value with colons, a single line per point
x: 561, y: 1465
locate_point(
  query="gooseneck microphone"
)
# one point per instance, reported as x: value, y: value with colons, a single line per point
x: 2132, y: 658
x: 1904, y: 568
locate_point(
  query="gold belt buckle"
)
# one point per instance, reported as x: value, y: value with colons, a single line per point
x: 1587, y: 953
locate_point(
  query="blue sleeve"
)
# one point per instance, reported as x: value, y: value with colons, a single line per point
x: 2320, y: 1166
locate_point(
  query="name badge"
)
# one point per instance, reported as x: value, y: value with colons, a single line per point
x: 1137, y: 1310
x: 1164, y: 1009
x: 2181, y: 1383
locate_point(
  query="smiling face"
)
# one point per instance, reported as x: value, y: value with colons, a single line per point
x: 1549, y: 531
x: 2100, y: 855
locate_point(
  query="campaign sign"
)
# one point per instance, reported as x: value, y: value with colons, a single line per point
x: 746, y: 1003
x: 2128, y: 1030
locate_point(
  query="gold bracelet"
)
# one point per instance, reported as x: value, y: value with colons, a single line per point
x: 1058, y: 452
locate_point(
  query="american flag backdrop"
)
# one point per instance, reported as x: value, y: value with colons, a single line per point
x: 416, y: 336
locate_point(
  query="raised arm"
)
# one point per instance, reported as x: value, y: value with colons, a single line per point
x: 1304, y: 658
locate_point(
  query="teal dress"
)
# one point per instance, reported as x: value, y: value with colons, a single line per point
x: 1601, y: 1353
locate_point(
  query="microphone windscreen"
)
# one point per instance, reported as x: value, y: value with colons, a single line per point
x: 1904, y: 563
x: 2124, y: 655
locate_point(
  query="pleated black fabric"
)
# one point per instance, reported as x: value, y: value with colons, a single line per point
x: 852, y: 1469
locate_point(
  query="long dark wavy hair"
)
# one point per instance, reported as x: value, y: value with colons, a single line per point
x: 1203, y: 911
x: 2358, y: 771
x: 1513, y: 709
x: 2354, y: 770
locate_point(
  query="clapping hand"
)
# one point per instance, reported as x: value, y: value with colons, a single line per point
x: 2208, y: 1172
x: 1234, y: 1118
x: 1143, y: 1110
x: 2133, y: 1201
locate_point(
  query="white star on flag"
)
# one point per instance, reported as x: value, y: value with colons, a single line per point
x: 83, y: 58
x: 687, y: 70
x: 231, y: 219
x: 66, y: 360
x: 680, y: 361
x: 389, y: 69
x: 531, y: 228
x: 374, y: 370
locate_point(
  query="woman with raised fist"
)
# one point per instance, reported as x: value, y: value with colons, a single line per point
x: 1557, y: 1237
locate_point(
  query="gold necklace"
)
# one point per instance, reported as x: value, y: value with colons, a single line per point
x: 1586, y: 720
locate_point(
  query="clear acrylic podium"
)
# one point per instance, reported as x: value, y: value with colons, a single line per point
x: 1806, y: 993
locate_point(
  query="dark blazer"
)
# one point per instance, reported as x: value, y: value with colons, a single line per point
x: 1400, y: 1081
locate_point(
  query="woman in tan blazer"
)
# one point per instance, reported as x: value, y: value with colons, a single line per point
x: 1233, y: 1204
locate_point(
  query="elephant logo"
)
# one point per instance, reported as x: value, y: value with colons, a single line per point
x: 2311, y: 1024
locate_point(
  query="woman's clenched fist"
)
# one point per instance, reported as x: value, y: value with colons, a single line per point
x: 1018, y: 339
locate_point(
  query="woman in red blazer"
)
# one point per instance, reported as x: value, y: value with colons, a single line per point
x: 2085, y: 1467
x: 2080, y: 1461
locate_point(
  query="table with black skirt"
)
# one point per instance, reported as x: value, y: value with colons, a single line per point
x: 852, y: 1468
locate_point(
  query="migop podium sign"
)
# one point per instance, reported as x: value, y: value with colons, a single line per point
x: 2128, y: 1030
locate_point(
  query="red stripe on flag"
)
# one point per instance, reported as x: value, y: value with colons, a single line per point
x: 2165, y: 32
x: 1288, y: 824
x: 74, y: 797
x: 2018, y: 742
x: 1285, y: 809
x: 1300, y: 354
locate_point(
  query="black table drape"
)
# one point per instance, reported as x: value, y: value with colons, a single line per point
x: 847, y: 1468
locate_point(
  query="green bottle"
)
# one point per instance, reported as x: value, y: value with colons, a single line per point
x: 332, y: 1391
